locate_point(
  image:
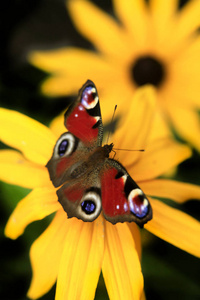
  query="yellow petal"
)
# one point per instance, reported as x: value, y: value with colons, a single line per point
x: 110, y: 95
x: 63, y: 60
x: 71, y: 67
x: 186, y: 122
x: 81, y: 260
x: 136, y: 237
x: 159, y: 157
x: 143, y: 297
x: 134, y: 16
x: 15, y: 169
x: 39, y: 203
x: 185, y: 67
x: 121, y: 266
x: 162, y: 13
x: 45, y: 255
x: 175, y: 227
x: 57, y: 125
x: 32, y: 138
x: 136, y: 124
x: 160, y: 127
x: 188, y: 21
x: 170, y: 189
x: 186, y: 63
x: 98, y: 27
x: 56, y: 85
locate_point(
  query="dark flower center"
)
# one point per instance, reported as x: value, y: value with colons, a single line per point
x: 147, y: 69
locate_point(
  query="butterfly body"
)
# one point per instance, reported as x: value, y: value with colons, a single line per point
x: 89, y: 181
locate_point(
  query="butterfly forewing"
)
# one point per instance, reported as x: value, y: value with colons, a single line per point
x: 83, y: 118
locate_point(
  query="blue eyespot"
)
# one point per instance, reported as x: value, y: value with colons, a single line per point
x: 62, y: 147
x: 140, y: 211
x: 88, y: 206
x: 138, y: 203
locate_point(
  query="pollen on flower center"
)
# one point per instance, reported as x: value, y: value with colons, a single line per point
x: 147, y: 69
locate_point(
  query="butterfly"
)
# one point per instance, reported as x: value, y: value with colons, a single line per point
x: 88, y: 181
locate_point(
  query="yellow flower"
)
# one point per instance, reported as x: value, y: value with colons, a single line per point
x: 152, y: 43
x: 72, y: 251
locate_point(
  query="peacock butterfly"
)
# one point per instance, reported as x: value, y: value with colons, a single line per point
x: 89, y: 181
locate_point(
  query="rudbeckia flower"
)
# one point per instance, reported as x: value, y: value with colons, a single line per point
x: 74, y: 252
x: 152, y: 43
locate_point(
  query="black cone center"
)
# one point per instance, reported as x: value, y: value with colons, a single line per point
x: 147, y: 70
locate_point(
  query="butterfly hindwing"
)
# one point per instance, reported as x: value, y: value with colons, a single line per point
x: 122, y: 199
x: 81, y: 200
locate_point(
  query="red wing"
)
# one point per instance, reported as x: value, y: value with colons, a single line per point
x: 80, y: 201
x: 63, y: 159
x: 122, y: 199
x: 83, y: 118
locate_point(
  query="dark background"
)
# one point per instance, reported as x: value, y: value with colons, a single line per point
x: 42, y: 24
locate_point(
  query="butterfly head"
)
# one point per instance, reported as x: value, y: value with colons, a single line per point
x: 107, y: 149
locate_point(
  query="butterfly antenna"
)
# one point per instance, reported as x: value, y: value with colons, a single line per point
x: 111, y: 122
x: 141, y: 150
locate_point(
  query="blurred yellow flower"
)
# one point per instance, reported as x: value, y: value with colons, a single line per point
x: 151, y: 43
x: 72, y: 251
